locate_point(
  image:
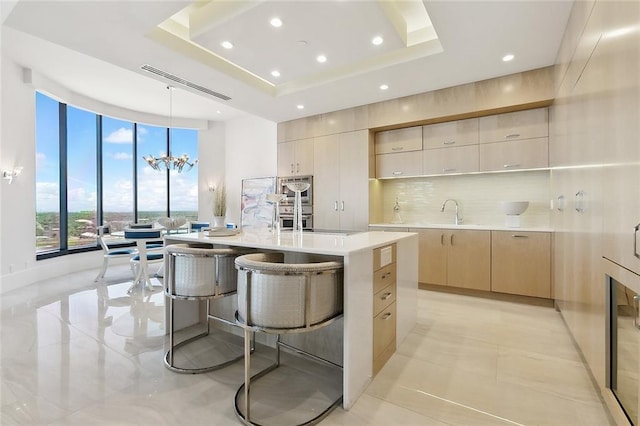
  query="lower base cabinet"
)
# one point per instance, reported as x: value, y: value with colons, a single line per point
x: 384, y: 306
x: 521, y: 263
x: 510, y: 262
x: 455, y: 258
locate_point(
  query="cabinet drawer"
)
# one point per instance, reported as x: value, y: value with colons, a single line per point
x: 514, y: 155
x: 384, y: 298
x: 384, y: 277
x: 384, y: 330
x: 533, y: 123
x: 453, y: 133
x: 463, y: 159
x: 381, y: 256
x: 399, y: 140
x: 398, y: 165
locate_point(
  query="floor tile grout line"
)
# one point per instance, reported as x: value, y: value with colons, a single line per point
x: 463, y: 406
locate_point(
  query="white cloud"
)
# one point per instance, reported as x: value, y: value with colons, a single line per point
x: 120, y: 155
x: 121, y: 135
x: 47, y: 196
x: 41, y: 160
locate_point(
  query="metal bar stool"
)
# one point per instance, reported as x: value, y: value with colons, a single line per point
x: 198, y: 274
x: 279, y: 298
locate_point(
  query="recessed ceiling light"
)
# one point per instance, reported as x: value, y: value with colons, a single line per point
x: 300, y: 106
x: 219, y: 112
x: 275, y: 73
x: 227, y: 44
x: 507, y: 58
x: 276, y: 22
x: 321, y: 59
x: 377, y: 40
x: 384, y: 87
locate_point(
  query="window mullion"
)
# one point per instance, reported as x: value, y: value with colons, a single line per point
x: 64, y: 215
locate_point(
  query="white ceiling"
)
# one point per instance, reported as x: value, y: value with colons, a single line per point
x: 96, y: 49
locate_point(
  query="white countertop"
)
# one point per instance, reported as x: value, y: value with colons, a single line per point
x: 461, y: 226
x: 308, y: 242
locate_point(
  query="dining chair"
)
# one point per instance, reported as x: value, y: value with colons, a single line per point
x: 104, y: 233
x: 140, y: 262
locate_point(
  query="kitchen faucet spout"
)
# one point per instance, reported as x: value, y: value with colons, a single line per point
x: 458, y: 218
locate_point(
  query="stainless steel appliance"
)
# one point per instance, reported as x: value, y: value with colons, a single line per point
x: 307, y: 196
x: 286, y: 217
x: 623, y: 341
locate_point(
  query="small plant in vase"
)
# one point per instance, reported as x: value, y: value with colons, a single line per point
x: 219, y: 206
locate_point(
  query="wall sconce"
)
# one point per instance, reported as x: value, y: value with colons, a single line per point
x: 10, y: 175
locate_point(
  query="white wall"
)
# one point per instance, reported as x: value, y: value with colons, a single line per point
x: 211, y: 167
x: 251, y: 151
x: 17, y: 148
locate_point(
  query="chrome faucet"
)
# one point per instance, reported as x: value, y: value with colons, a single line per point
x: 458, y: 218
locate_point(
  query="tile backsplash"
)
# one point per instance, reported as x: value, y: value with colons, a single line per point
x: 478, y: 196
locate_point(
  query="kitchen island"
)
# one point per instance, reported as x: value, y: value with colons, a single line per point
x: 356, y: 251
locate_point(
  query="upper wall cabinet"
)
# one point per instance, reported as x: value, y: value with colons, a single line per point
x: 533, y: 123
x: 399, y: 140
x: 514, y: 155
x: 295, y: 158
x: 399, y: 165
x: 450, y: 134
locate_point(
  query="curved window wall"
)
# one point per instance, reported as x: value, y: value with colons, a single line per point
x: 90, y: 172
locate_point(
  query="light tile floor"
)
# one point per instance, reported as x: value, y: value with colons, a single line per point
x: 77, y: 352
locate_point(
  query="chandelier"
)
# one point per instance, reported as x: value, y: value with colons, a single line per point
x: 168, y: 161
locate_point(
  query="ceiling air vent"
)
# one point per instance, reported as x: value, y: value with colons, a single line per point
x: 184, y: 82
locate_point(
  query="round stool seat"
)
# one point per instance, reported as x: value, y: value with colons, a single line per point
x: 202, y: 272
x: 279, y: 296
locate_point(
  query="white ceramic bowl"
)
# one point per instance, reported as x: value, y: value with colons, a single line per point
x: 514, y: 207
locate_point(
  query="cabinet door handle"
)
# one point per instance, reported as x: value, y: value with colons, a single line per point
x: 580, y: 207
x: 560, y: 206
x: 441, y: 239
x: 397, y: 148
x: 342, y: 205
x: 335, y: 205
x: 519, y: 236
x: 397, y: 173
x: 297, y: 167
x: 635, y: 241
x: 385, y: 296
x: 291, y: 168
x: 636, y: 323
x: 512, y: 135
x: 386, y: 275
x: 448, y: 142
x: 386, y: 316
x: 451, y: 239
x: 448, y: 170
x: 510, y: 165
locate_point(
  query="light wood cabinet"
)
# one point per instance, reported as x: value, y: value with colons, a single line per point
x: 384, y: 305
x: 456, y: 258
x: 533, y: 123
x: 450, y: 134
x: 399, y: 165
x: 521, y: 263
x: 341, y: 185
x: 399, y: 140
x: 295, y: 157
x: 461, y: 159
x: 514, y: 155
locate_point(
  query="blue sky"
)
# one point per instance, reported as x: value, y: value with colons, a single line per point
x: 117, y: 163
